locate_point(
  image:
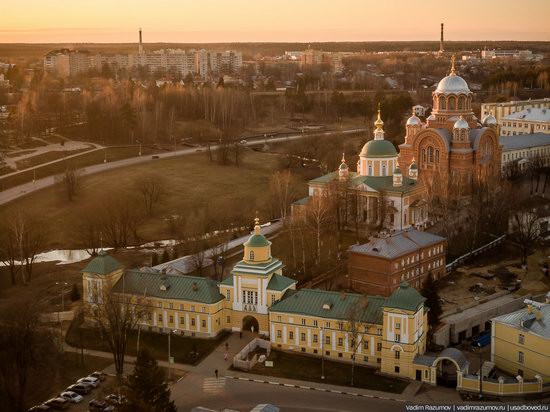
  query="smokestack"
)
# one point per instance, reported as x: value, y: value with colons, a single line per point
x: 140, y: 43
x: 441, y: 50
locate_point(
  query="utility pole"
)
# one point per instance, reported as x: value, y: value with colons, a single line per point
x: 322, y: 354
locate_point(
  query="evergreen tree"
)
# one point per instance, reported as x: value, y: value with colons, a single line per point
x: 165, y: 256
x: 154, y: 259
x: 148, y: 390
x: 430, y: 292
x: 75, y: 294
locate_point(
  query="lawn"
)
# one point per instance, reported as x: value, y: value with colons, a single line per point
x: 308, y: 368
x: 195, y: 186
x: 47, y: 157
x: 182, y: 347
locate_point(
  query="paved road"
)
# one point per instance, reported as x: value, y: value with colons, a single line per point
x: 13, y: 193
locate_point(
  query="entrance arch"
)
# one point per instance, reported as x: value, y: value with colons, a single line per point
x: 449, y: 367
x: 250, y: 323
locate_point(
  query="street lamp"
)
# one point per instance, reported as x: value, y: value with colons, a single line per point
x: 138, y: 141
x: 63, y: 284
x: 480, y: 371
x: 322, y: 353
x: 170, y: 359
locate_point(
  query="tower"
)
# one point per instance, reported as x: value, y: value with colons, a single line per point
x: 140, y: 49
x: 441, y: 49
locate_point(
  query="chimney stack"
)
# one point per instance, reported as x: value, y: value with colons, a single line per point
x: 441, y: 50
x: 140, y: 49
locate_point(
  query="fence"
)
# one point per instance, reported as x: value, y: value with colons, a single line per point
x: 500, y: 387
x: 460, y: 260
x: 241, y: 361
x: 57, y: 316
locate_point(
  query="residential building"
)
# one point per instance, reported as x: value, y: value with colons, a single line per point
x: 312, y: 57
x: 522, y: 55
x: 519, y: 153
x: 520, y: 341
x: 67, y: 62
x: 419, y: 110
x: 528, y: 121
x: 381, y: 265
x: 500, y: 110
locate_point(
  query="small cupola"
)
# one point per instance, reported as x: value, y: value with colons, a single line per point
x: 461, y: 130
x: 257, y: 249
x: 343, y: 170
x: 397, y: 177
x: 413, y: 170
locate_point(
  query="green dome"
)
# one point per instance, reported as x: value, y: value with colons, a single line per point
x: 413, y: 166
x: 343, y: 166
x: 102, y: 264
x: 257, y: 241
x: 397, y: 171
x: 379, y: 148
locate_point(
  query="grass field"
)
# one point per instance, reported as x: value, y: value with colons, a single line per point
x: 194, y: 186
x: 307, y: 368
x: 46, y: 157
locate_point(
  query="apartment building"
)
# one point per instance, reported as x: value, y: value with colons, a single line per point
x: 500, y: 110
x: 528, y: 121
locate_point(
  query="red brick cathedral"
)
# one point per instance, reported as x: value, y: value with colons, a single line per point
x: 452, y: 143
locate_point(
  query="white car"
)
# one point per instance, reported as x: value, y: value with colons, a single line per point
x: 71, y: 396
x: 90, y: 380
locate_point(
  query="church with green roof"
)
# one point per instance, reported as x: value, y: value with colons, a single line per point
x: 386, y: 197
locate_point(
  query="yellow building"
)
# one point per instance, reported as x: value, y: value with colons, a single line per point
x: 520, y: 341
x: 389, y: 333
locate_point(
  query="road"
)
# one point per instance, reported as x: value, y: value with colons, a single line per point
x: 16, y: 192
x: 243, y: 396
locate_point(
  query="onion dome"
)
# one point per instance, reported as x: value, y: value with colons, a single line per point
x: 453, y: 83
x: 414, y: 121
x: 257, y: 239
x: 489, y: 121
x: 413, y: 165
x: 397, y: 170
x: 378, y: 147
x: 343, y: 165
x: 461, y: 124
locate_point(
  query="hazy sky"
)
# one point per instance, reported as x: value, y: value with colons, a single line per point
x: 68, y: 21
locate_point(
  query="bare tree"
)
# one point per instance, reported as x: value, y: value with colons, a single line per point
x: 220, y: 244
x: 9, y: 254
x: 71, y: 181
x: 353, y: 329
x: 318, y: 218
x: 524, y: 231
x: 28, y: 352
x: 152, y: 187
x: 116, y: 315
x: 281, y: 191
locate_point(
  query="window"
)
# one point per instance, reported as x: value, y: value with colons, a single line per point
x: 160, y: 304
x: 339, y: 354
x: 398, y: 336
x: 171, y: 319
x: 397, y: 354
x: 315, y: 323
x: 303, y: 321
x: 397, y: 325
x: 192, y: 321
x: 291, y: 335
x: 327, y: 324
x: 273, y: 299
x: 379, y: 347
x: 203, y: 324
x: 366, y: 345
x: 365, y: 358
x: 521, y: 338
x: 228, y: 294
x: 303, y: 337
x: 397, y: 369
x: 279, y: 334
x: 229, y: 319
x: 192, y: 308
x: 315, y: 339
x: 171, y: 306
x: 160, y: 317
x: 181, y: 307
x: 315, y: 351
x: 327, y: 340
x: 383, y: 170
x: 341, y: 325
x: 203, y: 309
x: 521, y: 357
x: 278, y: 318
x: 340, y: 342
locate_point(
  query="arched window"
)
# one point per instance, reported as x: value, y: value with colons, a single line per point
x: 424, y: 159
x: 441, y: 103
x: 370, y: 170
x: 430, y: 154
x: 384, y: 169
x: 452, y: 103
x: 460, y: 103
x: 251, y: 255
x: 437, y: 156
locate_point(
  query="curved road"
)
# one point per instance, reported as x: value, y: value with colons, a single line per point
x: 16, y: 192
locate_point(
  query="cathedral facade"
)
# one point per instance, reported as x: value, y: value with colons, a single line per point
x: 452, y: 144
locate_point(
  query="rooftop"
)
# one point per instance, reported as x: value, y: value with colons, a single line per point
x: 531, y: 115
x: 522, y: 319
x: 102, y: 264
x: 397, y: 244
x: 524, y: 141
x: 405, y: 297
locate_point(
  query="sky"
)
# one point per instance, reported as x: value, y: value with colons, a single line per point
x: 204, y: 21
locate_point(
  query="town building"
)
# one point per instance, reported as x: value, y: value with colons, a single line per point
x: 520, y: 341
x: 452, y: 144
x: 528, y: 121
x: 521, y: 55
x: 389, y: 333
x: 312, y: 57
x: 419, y: 110
x: 502, y: 109
x: 67, y: 62
x: 385, y: 196
x: 381, y: 265
x: 520, y: 153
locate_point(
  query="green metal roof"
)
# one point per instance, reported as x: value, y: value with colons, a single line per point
x: 310, y: 302
x: 379, y: 148
x: 257, y: 241
x: 258, y: 268
x: 405, y: 297
x: 102, y: 264
x: 343, y: 166
x: 228, y: 281
x: 178, y: 287
x: 413, y: 166
x: 385, y: 183
x: 302, y: 201
x: 280, y: 283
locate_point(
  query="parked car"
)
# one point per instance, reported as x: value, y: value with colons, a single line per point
x: 80, y: 388
x: 40, y: 408
x: 57, y: 403
x: 99, y: 375
x: 243, y: 141
x: 90, y: 380
x: 114, y: 399
x: 71, y: 396
x: 99, y: 406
